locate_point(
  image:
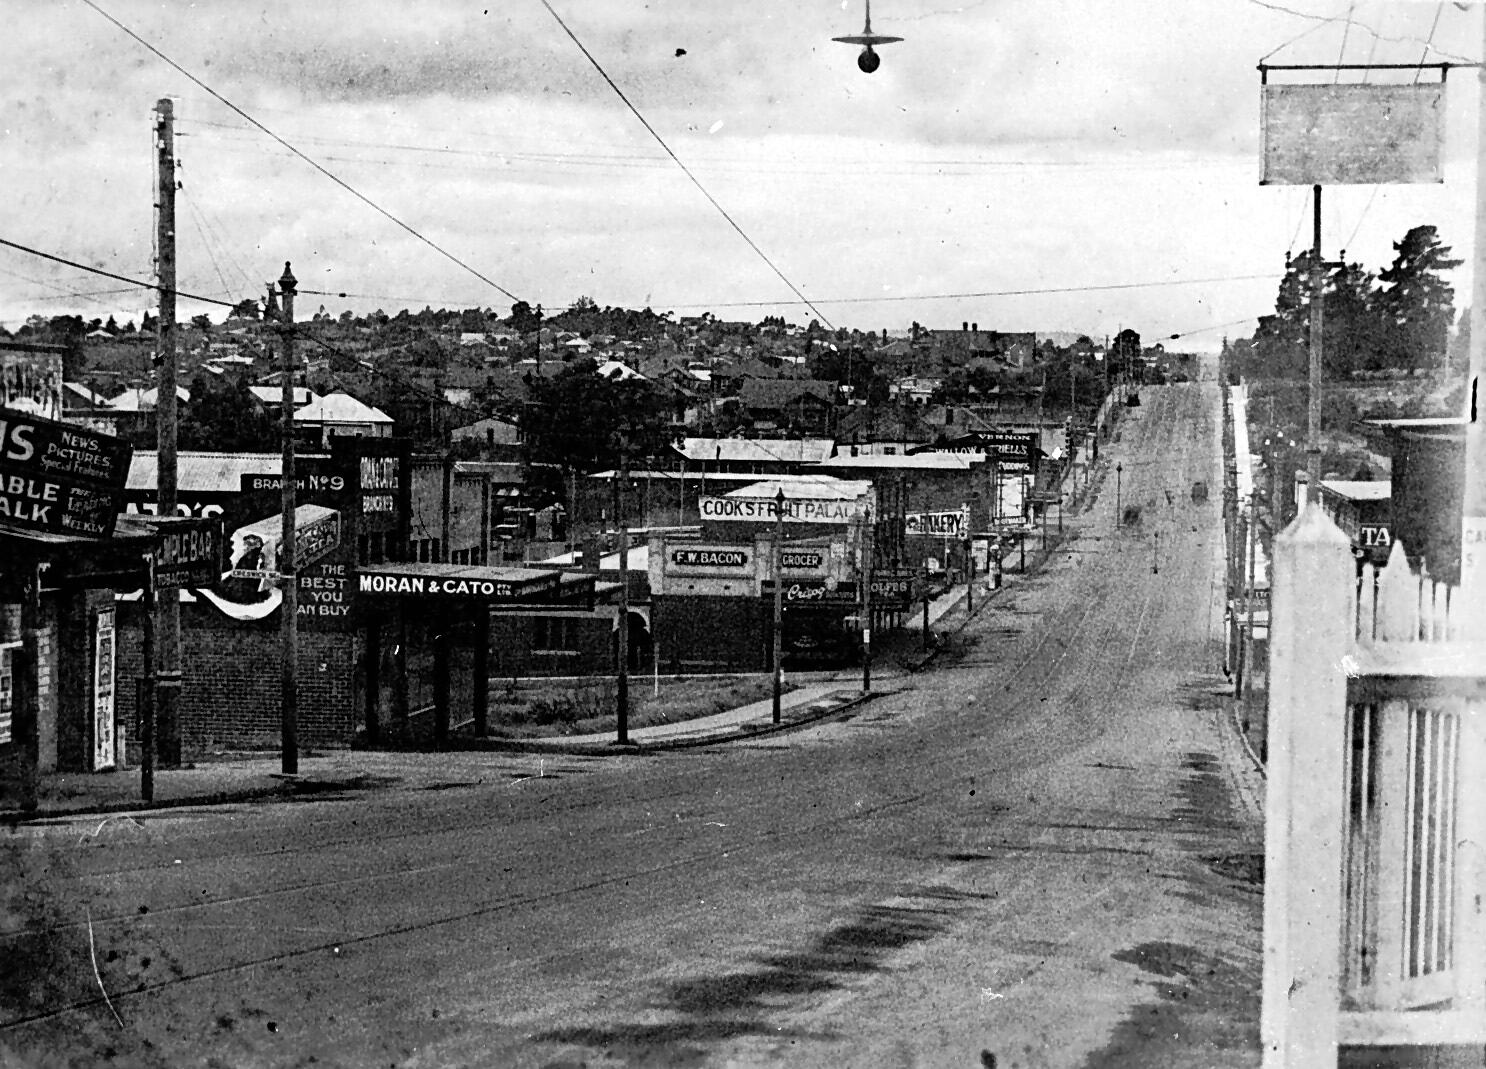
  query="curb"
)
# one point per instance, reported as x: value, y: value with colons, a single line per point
x: 1243, y: 737
x: 809, y: 714
x: 12, y: 817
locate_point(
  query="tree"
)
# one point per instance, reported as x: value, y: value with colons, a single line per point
x: 1350, y: 327
x: 524, y: 319
x: 246, y: 309
x: 1418, y: 305
x: 577, y: 420
x: 201, y: 322
x: 225, y: 417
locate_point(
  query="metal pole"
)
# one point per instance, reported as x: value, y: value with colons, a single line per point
x: 288, y: 580
x: 926, y: 605
x: 778, y: 601
x: 621, y: 682
x: 868, y: 551
x: 1119, y: 472
x: 168, y: 609
x: 969, y: 577
x: 1313, y: 405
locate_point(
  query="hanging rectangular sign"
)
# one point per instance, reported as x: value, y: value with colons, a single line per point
x: 58, y: 478
x: 1351, y: 134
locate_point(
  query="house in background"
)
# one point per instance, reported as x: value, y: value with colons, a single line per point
x: 340, y: 413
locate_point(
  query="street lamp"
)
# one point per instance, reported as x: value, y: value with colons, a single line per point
x: 1119, y: 468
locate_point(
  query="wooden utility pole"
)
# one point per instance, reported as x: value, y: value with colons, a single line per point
x: 168, y: 608
x: 869, y: 549
x: 288, y: 579
x: 778, y: 635
x: 1318, y: 317
x: 621, y: 688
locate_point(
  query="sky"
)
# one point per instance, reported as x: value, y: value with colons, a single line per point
x: 1063, y: 147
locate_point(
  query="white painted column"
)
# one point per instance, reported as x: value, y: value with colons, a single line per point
x: 1312, y: 629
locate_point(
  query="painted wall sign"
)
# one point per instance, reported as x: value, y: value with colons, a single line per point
x: 796, y: 510
x: 58, y: 478
x: 814, y: 592
x: 1351, y: 134
x: 801, y: 560
x: 1008, y: 447
x: 709, y: 557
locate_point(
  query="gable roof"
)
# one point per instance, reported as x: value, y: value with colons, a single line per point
x: 340, y: 407
x: 776, y: 393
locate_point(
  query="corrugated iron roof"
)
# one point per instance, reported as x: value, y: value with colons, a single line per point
x: 758, y: 450
x: 202, y: 472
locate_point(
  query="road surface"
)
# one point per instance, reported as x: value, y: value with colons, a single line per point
x: 1041, y: 852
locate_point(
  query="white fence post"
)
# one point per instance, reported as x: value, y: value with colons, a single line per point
x: 1313, y: 616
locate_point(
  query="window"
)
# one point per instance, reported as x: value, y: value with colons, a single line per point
x: 553, y: 634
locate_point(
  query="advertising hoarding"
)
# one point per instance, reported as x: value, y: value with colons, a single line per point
x: 796, y: 510
x: 56, y: 478
x: 1351, y: 134
x: 31, y: 383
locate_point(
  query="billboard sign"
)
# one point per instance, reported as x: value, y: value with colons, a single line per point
x: 60, y: 479
x: 796, y: 510
x: 1006, y: 447
x: 1351, y: 134
x: 954, y: 524
x: 31, y: 382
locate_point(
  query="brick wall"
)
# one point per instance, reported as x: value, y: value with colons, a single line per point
x: 711, y: 634
x: 230, y: 686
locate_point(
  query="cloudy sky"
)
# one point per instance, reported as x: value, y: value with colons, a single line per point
x: 1004, y: 146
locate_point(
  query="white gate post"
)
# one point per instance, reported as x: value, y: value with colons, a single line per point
x: 1312, y: 630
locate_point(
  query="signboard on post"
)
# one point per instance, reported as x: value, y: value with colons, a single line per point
x: 190, y: 551
x: 892, y: 591
x: 1352, y: 134
x: 56, y: 478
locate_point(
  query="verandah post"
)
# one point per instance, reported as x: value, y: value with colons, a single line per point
x: 1312, y: 629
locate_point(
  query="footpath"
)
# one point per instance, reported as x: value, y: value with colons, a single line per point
x: 253, y: 777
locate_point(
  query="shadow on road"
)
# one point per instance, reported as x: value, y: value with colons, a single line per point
x: 709, y: 1009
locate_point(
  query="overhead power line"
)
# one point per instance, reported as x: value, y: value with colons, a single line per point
x: 303, y: 156
x: 109, y: 274
x: 1034, y: 291
x: 685, y: 170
